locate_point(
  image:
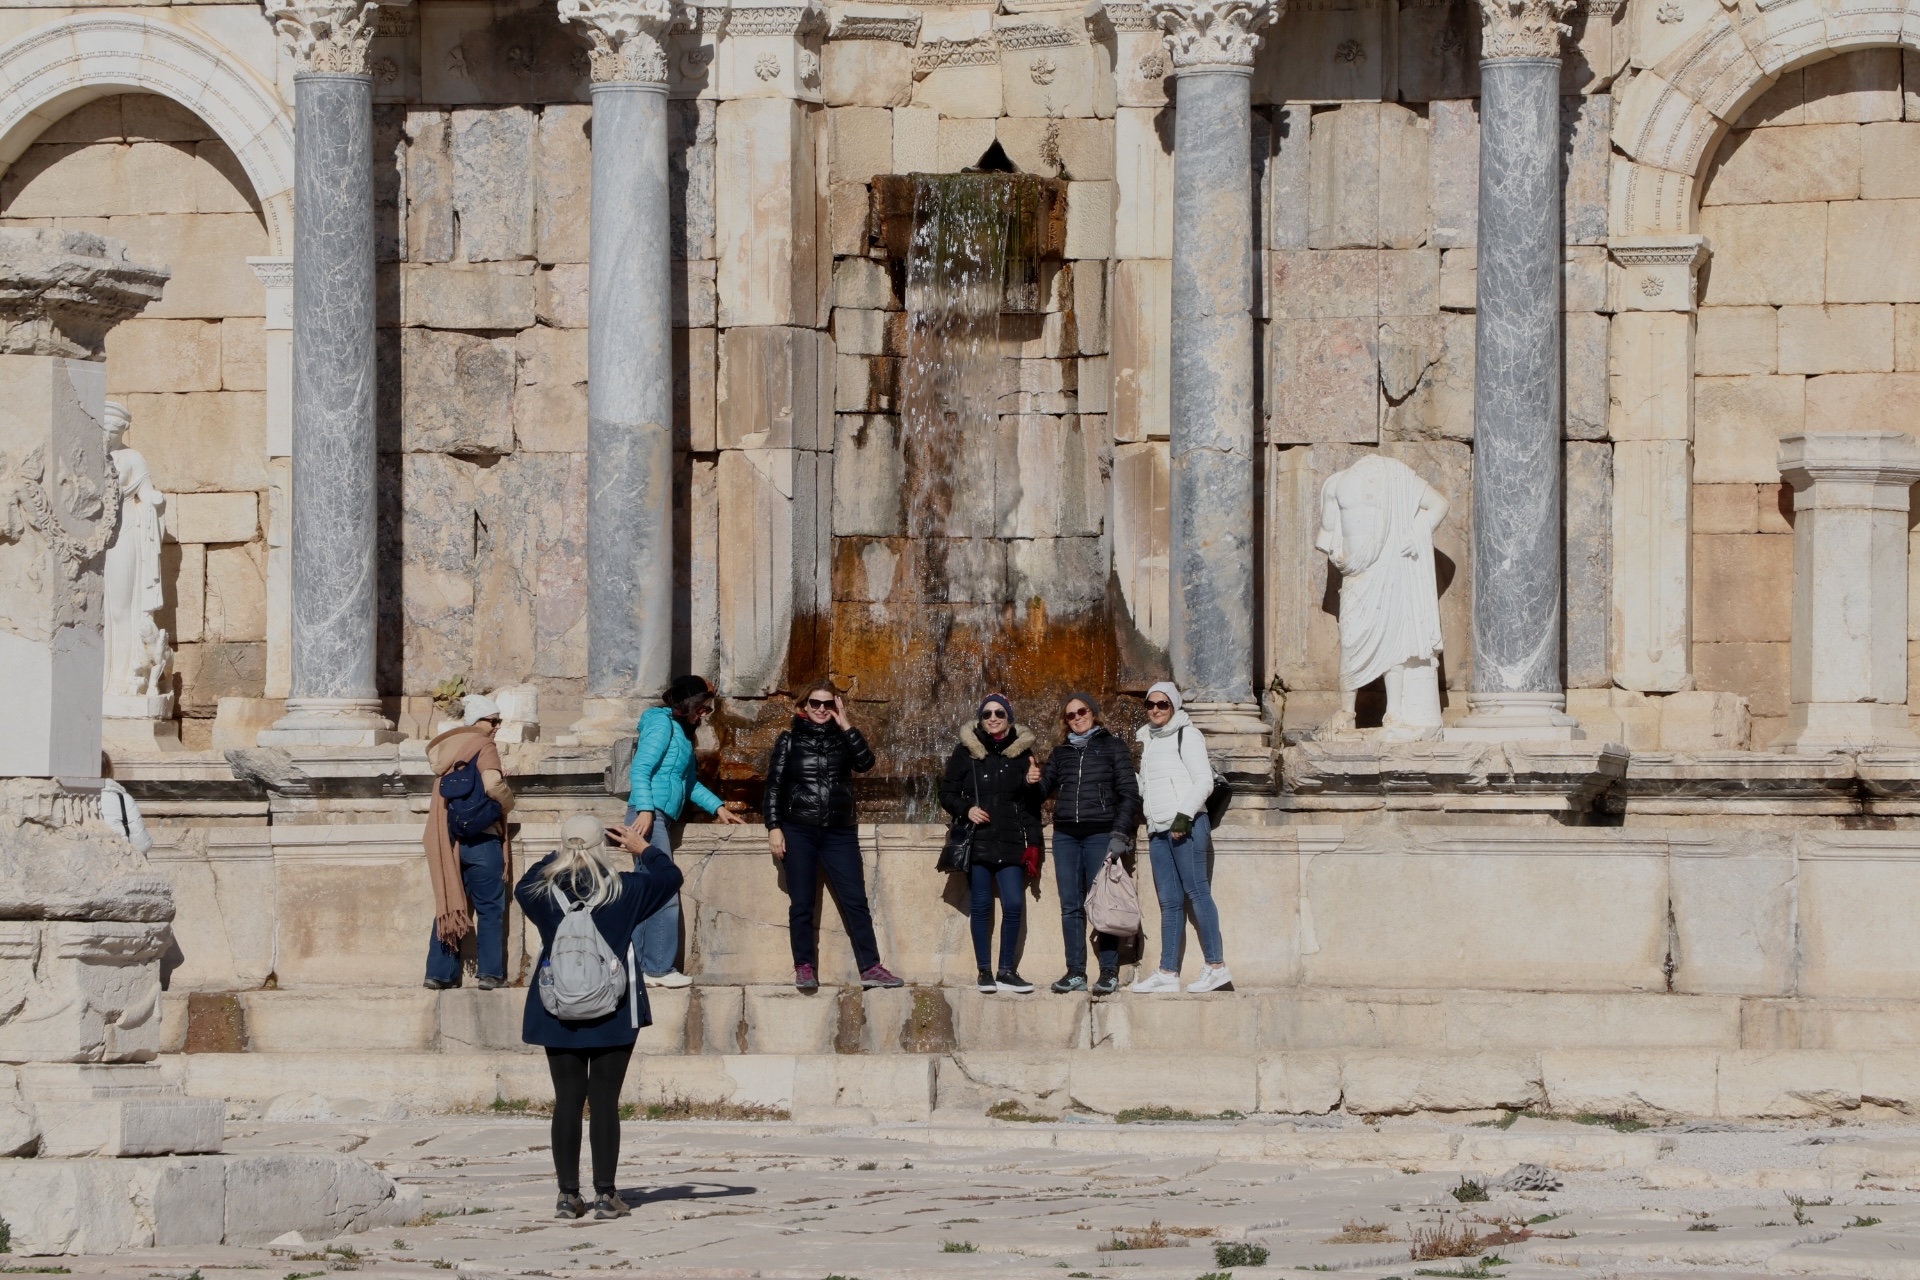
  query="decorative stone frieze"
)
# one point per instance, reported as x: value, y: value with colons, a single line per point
x: 1658, y: 273
x: 1126, y: 17
x: 1523, y: 28
x: 900, y: 28
x: 1211, y: 35
x: 776, y: 20
x: 326, y: 37
x: 980, y: 51
x: 1036, y: 35
x: 628, y: 36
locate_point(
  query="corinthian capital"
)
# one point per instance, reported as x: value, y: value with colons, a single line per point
x: 1523, y: 28
x: 1206, y: 34
x: 325, y: 35
x: 629, y: 36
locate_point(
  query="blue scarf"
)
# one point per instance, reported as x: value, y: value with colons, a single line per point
x: 1079, y: 739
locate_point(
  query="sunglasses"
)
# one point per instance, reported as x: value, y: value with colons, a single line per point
x: 1159, y: 704
x: 820, y: 704
x: 993, y: 715
x: 1080, y: 714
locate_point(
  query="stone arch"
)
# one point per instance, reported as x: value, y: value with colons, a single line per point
x: 1669, y: 122
x: 50, y: 71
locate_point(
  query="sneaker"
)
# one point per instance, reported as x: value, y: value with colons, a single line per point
x: 570, y: 1206
x: 1211, y: 978
x: 1157, y: 981
x: 879, y: 976
x: 670, y: 980
x: 985, y: 982
x: 1009, y: 981
x: 1108, y: 984
x: 434, y: 984
x: 1069, y: 984
x: 610, y: 1205
x: 805, y: 978
x: 490, y: 984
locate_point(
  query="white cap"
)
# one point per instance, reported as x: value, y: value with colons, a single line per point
x: 583, y: 828
x: 478, y: 707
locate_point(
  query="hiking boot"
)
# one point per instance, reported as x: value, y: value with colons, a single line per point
x: 490, y: 984
x: 985, y: 982
x: 880, y: 976
x: 570, y: 1206
x: 1010, y: 981
x: 434, y: 984
x: 805, y: 978
x: 610, y: 1205
x: 1069, y: 984
x: 1108, y: 984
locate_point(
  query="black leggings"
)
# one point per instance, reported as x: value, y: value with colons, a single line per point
x: 587, y: 1076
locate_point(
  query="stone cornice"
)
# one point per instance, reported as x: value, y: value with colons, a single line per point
x: 1213, y: 35
x: 900, y: 27
x: 981, y: 51
x: 775, y: 20
x: 1020, y: 34
x: 628, y: 37
x: 1523, y: 28
x: 329, y: 37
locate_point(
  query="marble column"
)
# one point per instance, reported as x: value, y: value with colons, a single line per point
x: 1518, y: 688
x: 1212, y: 412
x: 629, y: 365
x: 333, y: 699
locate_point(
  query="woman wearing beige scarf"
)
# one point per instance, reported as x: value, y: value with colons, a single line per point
x: 469, y: 880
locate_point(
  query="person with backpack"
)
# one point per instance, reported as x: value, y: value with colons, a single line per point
x: 587, y: 1003
x: 993, y: 782
x: 467, y: 848
x: 664, y: 776
x: 809, y: 809
x: 1096, y: 799
x: 1176, y: 782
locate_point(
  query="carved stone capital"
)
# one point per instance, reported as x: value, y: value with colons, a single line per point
x: 629, y: 37
x: 1213, y: 35
x: 1523, y: 28
x: 60, y: 291
x: 326, y: 36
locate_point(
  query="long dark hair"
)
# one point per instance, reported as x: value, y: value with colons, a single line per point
x: 685, y: 696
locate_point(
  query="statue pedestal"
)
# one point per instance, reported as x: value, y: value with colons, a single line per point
x: 1516, y: 717
x: 129, y: 723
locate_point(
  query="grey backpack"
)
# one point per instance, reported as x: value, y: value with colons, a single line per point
x: 581, y: 978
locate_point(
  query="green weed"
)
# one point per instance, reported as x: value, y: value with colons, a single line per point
x: 959, y: 1246
x: 1470, y: 1191
x: 1162, y: 1115
x: 1862, y: 1222
x: 1481, y: 1270
x: 1239, y: 1253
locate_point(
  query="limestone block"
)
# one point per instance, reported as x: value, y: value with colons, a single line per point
x: 1299, y: 1083
x: 692, y: 141
x: 1748, y: 266
x: 1286, y: 198
x: 869, y: 473
x: 1906, y: 338
x: 183, y: 569
x: 1323, y: 54
x: 781, y: 1020
x: 213, y: 517
x: 859, y: 332
x: 1586, y: 376
x: 1758, y: 672
x: 243, y: 354
x: 866, y: 73
x: 163, y: 355
x: 860, y: 143
x: 696, y: 364
x: 429, y: 161
x: 1204, y: 1084
x: 865, y: 283
x: 1836, y: 339
x: 1736, y: 340
x: 472, y: 52
x: 207, y: 253
x: 530, y: 588
x: 1727, y: 568
x: 236, y: 600
x: 1141, y: 537
x: 767, y: 583
x: 1586, y: 125
x: 1439, y: 54
x: 849, y: 210
x: 764, y: 220
x: 1589, y: 556
x: 1381, y: 1084
x: 202, y: 441
x: 1409, y: 347
x: 1783, y: 166
x: 1324, y: 382
x: 1799, y: 1085
x: 1726, y: 508
x: 1050, y: 69
x: 1344, y: 157
x: 1142, y: 319
x: 55, y: 180
x: 695, y: 288
x: 1866, y: 261
x: 1089, y: 220
x: 1862, y: 86
x: 957, y: 68
x: 1617, y: 715
x: 1704, y: 722
x: 1738, y: 422
x: 1889, y: 162
x: 866, y: 384
x: 563, y: 183
x: 494, y: 182
x: 916, y: 140
x: 560, y: 296
x: 769, y: 392
x: 1455, y: 171
x: 1663, y: 1082
x: 1409, y: 282
x: 461, y: 297
x: 1862, y: 402
x: 550, y: 393
x: 1310, y: 284
x: 702, y: 523
x: 1584, y: 282
x: 459, y: 395
x: 1649, y: 387
x: 1080, y: 149
x: 1089, y: 315
x: 437, y: 569
x: 961, y: 141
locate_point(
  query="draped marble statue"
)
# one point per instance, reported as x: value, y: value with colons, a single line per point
x: 1377, y: 519
x: 139, y: 658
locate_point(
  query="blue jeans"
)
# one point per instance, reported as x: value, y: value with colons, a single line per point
x: 834, y: 851
x: 1008, y: 881
x: 1180, y: 878
x: 483, y: 872
x: 656, y: 940
x: 1076, y: 861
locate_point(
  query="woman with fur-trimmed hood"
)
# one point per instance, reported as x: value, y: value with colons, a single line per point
x: 993, y: 781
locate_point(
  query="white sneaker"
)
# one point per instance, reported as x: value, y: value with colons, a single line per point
x: 671, y: 979
x: 1210, y: 979
x: 1157, y: 981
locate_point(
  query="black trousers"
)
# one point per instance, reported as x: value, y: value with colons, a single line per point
x: 582, y: 1077
x: 834, y: 852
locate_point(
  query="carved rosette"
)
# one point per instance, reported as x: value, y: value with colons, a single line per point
x: 326, y: 36
x: 1523, y: 28
x: 1214, y: 35
x: 629, y: 37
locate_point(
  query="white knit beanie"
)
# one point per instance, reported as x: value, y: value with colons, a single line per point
x: 478, y: 707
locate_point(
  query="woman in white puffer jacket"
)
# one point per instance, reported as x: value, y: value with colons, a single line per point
x: 1175, y: 780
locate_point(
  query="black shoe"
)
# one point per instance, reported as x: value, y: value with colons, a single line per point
x: 1108, y: 984
x: 570, y: 1206
x: 610, y: 1205
x: 490, y: 984
x: 1008, y: 980
x: 985, y: 981
x: 1069, y: 984
x: 434, y: 984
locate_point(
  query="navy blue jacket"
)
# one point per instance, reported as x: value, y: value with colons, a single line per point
x: 643, y: 891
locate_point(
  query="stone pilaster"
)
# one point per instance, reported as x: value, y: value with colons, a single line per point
x: 332, y: 696
x: 1518, y: 686
x: 629, y: 364
x: 1211, y: 495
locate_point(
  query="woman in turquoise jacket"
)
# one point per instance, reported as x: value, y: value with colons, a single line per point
x: 663, y: 779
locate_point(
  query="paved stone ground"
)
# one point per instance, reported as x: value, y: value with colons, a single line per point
x: 898, y: 1203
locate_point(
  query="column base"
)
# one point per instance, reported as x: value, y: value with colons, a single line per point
x: 1820, y: 728
x: 118, y: 1109
x: 1239, y: 739
x: 1516, y: 717
x: 604, y: 719
x: 330, y: 722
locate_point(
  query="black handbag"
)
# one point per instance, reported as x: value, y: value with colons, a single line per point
x: 957, y: 850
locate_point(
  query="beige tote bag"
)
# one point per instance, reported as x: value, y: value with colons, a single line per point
x: 1113, y: 906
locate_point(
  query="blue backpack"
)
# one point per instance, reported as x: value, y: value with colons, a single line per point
x: 471, y: 812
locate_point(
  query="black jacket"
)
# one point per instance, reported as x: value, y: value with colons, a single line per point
x: 810, y: 777
x: 1004, y: 792
x: 1094, y: 783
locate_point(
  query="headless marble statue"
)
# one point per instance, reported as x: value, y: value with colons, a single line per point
x: 1377, y: 519
x: 139, y: 659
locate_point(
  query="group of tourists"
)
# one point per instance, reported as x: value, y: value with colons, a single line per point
x: 606, y: 902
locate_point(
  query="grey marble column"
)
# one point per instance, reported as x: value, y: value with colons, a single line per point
x: 630, y: 368
x: 333, y: 699
x: 1211, y: 495
x: 1518, y: 688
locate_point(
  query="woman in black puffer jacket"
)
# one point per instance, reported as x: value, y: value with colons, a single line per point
x: 993, y: 781
x: 1096, y: 801
x: 810, y: 827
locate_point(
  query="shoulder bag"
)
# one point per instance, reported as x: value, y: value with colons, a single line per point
x: 957, y: 851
